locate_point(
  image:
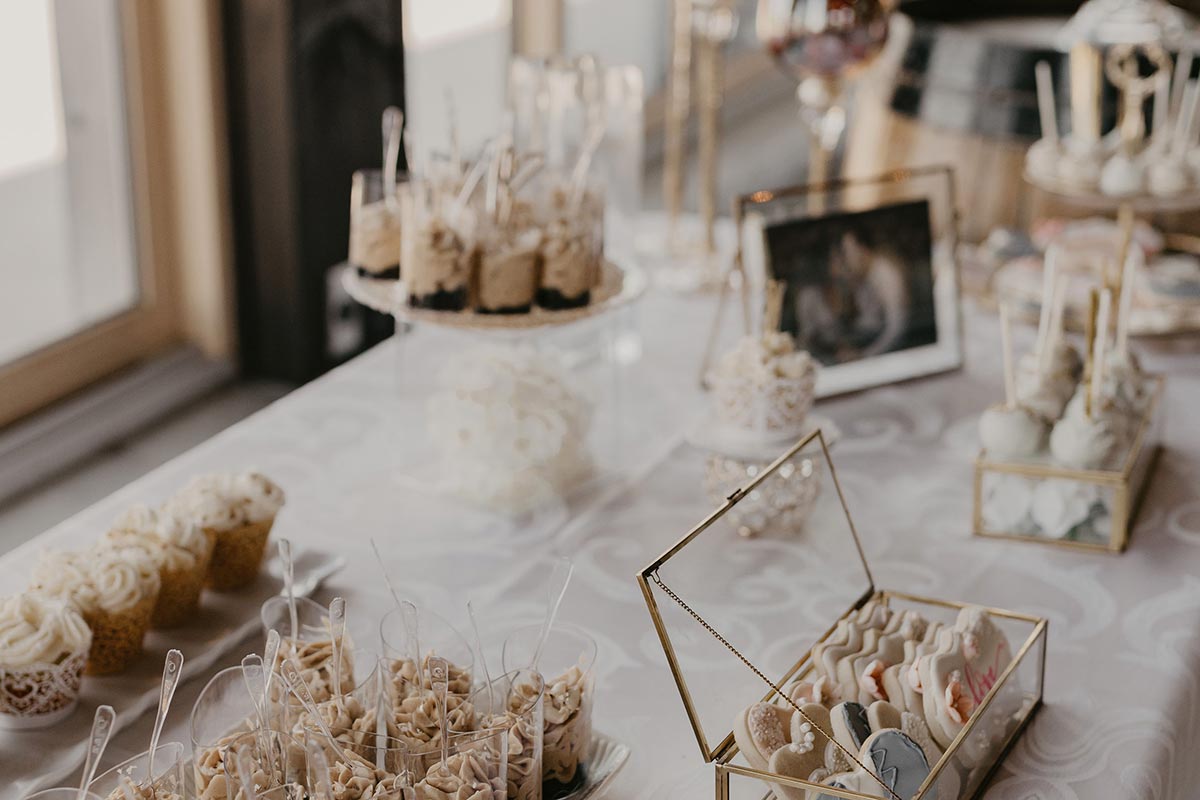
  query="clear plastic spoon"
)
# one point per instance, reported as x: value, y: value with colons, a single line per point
x: 289, y: 585
x: 102, y: 726
x: 295, y: 684
x: 270, y: 656
x: 245, y: 771
x: 318, y: 771
x: 438, y: 678
x: 172, y: 667
x: 337, y: 630
x: 482, y: 661
x: 560, y: 578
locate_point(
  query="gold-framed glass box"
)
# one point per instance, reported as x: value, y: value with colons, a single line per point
x: 1037, y: 500
x: 738, y: 620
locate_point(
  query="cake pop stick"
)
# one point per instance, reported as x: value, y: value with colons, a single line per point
x: 1049, y: 280
x: 1185, y: 124
x: 1046, y: 105
x: 1085, y: 95
x: 1099, y: 346
x: 1057, y: 302
x: 1124, y: 306
x: 1183, y: 70
x: 1161, y: 124
x: 772, y: 306
x: 1010, y: 380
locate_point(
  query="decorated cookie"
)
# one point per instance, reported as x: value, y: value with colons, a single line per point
x: 948, y: 781
x: 897, y: 760
x: 883, y: 715
x: 985, y: 650
x: 850, y: 725
x: 760, y: 730
x: 805, y: 753
x: 831, y: 656
x: 869, y: 664
x: 822, y: 691
x: 948, y: 701
x: 847, y: 678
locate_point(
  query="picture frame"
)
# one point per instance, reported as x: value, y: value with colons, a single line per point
x: 870, y: 280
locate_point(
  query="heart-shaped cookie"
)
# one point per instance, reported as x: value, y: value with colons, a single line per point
x: 805, y: 753
x: 850, y: 725
x: 760, y: 730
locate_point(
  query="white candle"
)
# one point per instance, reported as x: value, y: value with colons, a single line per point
x: 1046, y: 105
x: 1010, y: 382
x: 1099, y: 346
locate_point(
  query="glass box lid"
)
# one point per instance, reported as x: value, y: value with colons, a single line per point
x: 727, y: 607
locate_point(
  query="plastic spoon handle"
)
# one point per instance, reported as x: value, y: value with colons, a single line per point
x: 172, y: 667
x: 289, y: 585
x: 102, y: 725
x: 256, y: 685
x: 295, y: 684
x: 270, y: 656
x: 487, y: 676
x: 386, y: 580
x: 438, y: 676
x: 337, y: 630
x: 393, y: 124
x: 560, y: 578
x: 412, y: 627
x: 245, y: 771
x: 318, y: 771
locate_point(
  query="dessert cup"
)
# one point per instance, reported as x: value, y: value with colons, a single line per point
x: 436, y: 637
x: 508, y: 272
x: 517, y: 698
x: 223, y: 711
x: 40, y: 695
x: 311, y: 645
x: 117, y: 636
x: 568, y: 665
x: 764, y: 387
x: 277, y: 759
x: 374, y: 226
x: 477, y: 763
x: 437, y: 261
x: 45, y: 648
x: 131, y: 778
x: 572, y: 247
x: 237, y: 554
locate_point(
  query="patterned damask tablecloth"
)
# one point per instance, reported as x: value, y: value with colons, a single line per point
x: 1122, y: 699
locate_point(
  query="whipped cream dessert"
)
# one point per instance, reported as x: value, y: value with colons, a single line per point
x: 437, y: 264
x: 568, y: 724
x: 508, y: 273
x: 765, y: 384
x: 466, y: 776
x: 36, y: 630
x: 226, y: 501
x: 63, y: 574
x: 183, y: 541
x: 122, y: 577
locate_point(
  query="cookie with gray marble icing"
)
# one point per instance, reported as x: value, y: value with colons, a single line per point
x: 760, y: 730
x: 850, y: 725
x: 896, y: 760
x: 948, y: 780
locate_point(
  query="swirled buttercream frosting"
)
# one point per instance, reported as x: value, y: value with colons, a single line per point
x: 35, y: 629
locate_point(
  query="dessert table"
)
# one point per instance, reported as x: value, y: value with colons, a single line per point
x: 1122, y: 713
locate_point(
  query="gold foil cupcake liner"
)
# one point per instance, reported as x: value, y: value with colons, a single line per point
x: 117, y: 638
x: 40, y: 695
x: 238, y: 555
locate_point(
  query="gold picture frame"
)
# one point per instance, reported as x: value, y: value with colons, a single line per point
x: 845, y: 197
x: 1025, y: 674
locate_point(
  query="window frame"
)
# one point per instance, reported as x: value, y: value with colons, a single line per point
x: 171, y: 70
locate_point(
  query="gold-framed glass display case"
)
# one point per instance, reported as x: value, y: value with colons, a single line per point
x: 745, y: 622
x: 1037, y: 500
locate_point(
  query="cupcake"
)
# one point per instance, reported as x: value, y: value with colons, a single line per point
x: 43, y: 648
x: 182, y: 551
x: 114, y: 589
x: 764, y: 386
x: 237, y: 510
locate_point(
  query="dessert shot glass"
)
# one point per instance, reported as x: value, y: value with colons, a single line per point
x: 435, y: 637
x: 513, y: 702
x: 567, y: 664
x: 133, y: 775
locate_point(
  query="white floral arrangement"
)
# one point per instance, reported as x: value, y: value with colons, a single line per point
x: 511, y: 429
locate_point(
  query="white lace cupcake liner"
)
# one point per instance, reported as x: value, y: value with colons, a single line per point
x: 40, y: 695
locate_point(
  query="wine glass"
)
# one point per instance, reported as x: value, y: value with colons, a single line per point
x: 822, y: 43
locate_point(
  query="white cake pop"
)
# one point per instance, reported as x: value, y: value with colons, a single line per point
x: 1080, y: 167
x: 1083, y: 442
x: 1122, y: 176
x: 1045, y: 155
x: 1167, y: 177
x: 1010, y: 430
x: 1046, y: 377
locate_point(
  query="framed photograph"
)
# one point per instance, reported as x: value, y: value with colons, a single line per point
x: 870, y: 285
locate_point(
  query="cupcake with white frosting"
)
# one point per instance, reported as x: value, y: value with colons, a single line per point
x: 180, y: 548
x: 237, y: 510
x: 43, y: 648
x: 114, y: 589
x: 764, y: 386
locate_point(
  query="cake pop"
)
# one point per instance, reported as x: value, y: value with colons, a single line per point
x: 1090, y: 431
x: 1044, y: 155
x: 1046, y: 376
x: 1010, y: 430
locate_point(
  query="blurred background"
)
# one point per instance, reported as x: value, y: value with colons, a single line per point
x: 174, y: 177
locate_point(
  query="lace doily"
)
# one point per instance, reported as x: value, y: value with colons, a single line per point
x: 41, y: 694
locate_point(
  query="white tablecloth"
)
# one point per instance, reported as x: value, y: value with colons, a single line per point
x: 1122, y: 707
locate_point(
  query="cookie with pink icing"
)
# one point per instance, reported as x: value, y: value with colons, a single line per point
x: 760, y: 730
x: 868, y: 666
